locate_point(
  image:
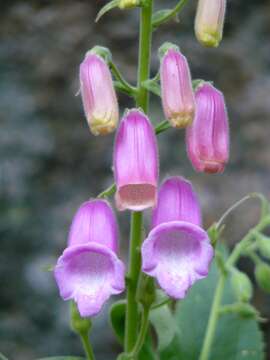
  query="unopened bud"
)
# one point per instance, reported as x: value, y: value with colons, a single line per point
x: 209, y: 22
x: 208, y: 137
x: 263, y: 243
x: 128, y: 4
x: 242, y: 286
x: 262, y: 274
x: 98, y: 94
x: 176, y: 88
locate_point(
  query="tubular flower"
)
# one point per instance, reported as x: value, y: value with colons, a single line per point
x: 176, y: 89
x: 207, y: 138
x: 209, y: 22
x: 177, y: 251
x: 98, y: 95
x: 89, y: 270
x: 135, y: 162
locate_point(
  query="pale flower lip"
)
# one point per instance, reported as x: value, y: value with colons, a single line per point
x: 207, y: 139
x: 176, y: 89
x: 209, y: 22
x: 135, y: 162
x: 177, y: 254
x: 98, y: 95
x: 89, y: 271
x: 177, y: 251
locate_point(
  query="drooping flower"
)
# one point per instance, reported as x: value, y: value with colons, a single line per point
x: 89, y: 271
x: 207, y: 138
x: 135, y: 162
x: 209, y: 22
x: 176, y: 89
x: 177, y: 251
x: 98, y: 95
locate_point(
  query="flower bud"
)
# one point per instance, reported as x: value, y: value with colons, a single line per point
x: 177, y: 251
x: 176, y: 89
x: 135, y: 162
x: 262, y: 275
x: 89, y: 270
x: 263, y: 243
x: 128, y: 4
x: 242, y: 286
x: 98, y: 95
x: 207, y: 138
x: 209, y: 22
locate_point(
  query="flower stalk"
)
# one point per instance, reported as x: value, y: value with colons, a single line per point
x: 142, y: 99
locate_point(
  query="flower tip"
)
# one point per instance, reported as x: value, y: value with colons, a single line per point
x: 136, y: 197
x: 214, y: 167
x: 182, y: 120
x: 209, y: 39
x: 98, y: 126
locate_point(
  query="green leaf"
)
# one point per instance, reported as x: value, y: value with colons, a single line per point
x: 117, y: 319
x: 160, y: 15
x: 164, y: 325
x: 112, y: 4
x: 236, y: 338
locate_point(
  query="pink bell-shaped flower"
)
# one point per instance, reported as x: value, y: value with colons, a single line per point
x: 207, y: 139
x: 135, y: 162
x: 177, y: 251
x: 89, y: 271
x: 176, y: 89
x: 98, y: 95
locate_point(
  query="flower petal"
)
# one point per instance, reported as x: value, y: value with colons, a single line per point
x: 177, y: 201
x: 94, y: 221
x: 177, y: 254
x: 89, y: 274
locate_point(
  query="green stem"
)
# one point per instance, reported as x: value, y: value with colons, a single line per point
x: 212, y: 322
x: 87, y: 346
x: 125, y: 85
x: 107, y: 192
x: 144, y: 54
x: 162, y: 303
x: 131, y: 325
x: 245, y: 242
x: 236, y: 253
x: 170, y: 14
x: 142, y: 100
x: 162, y: 126
x: 142, y: 334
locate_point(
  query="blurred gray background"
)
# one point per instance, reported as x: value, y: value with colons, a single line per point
x: 50, y: 163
